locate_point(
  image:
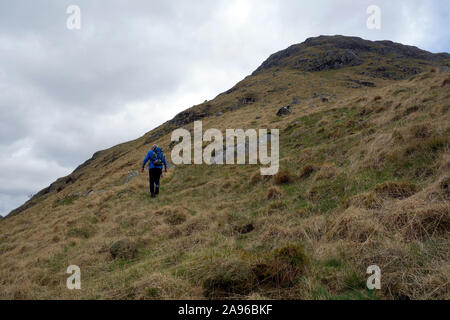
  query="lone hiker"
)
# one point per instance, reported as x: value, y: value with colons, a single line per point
x: 156, y: 160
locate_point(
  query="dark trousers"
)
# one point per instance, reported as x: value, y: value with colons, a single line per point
x: 154, y: 176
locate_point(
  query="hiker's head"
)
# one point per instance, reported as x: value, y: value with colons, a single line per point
x: 154, y: 147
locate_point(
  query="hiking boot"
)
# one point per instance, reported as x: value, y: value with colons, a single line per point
x: 152, y: 195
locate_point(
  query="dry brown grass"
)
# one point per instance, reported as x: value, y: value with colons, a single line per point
x: 368, y: 200
x: 356, y: 225
x: 274, y: 193
x: 327, y: 171
x: 396, y: 190
x: 416, y: 221
x: 282, y: 268
x: 444, y: 186
x: 258, y: 178
x: 155, y: 287
x: 312, y: 229
x: 173, y: 215
x: 421, y: 131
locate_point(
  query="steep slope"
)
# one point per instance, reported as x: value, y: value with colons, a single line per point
x: 364, y: 180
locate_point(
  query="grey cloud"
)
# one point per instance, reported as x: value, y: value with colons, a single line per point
x: 13, y: 125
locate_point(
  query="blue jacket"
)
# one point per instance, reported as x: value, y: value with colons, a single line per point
x: 149, y: 159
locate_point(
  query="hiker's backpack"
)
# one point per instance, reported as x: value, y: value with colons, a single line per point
x: 157, y: 158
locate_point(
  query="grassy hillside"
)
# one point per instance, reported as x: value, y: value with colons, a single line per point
x: 364, y: 179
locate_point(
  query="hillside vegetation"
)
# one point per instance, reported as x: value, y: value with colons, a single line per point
x: 364, y: 180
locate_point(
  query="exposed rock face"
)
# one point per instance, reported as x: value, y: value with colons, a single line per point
x: 248, y: 100
x: 334, y: 52
x: 331, y: 60
x: 131, y: 175
x: 444, y: 69
x: 187, y: 117
x: 153, y: 137
x: 364, y: 83
x: 284, y: 111
x: 276, y: 58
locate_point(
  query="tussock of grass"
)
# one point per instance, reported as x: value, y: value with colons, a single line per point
x: 81, y: 232
x: 396, y: 190
x: 327, y: 171
x: 124, y: 249
x: 282, y: 268
x: 415, y: 222
x: 355, y: 225
x: 173, y: 216
x: 306, y: 171
x: 445, y: 82
x: 421, y: 131
x: 366, y: 201
x: 283, y: 177
x: 258, y: 178
x: 274, y: 193
x: 227, y: 277
x: 155, y: 287
x: 444, y: 185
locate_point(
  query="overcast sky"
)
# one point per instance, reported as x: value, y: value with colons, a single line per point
x: 65, y: 94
